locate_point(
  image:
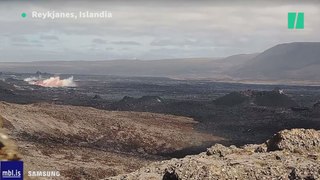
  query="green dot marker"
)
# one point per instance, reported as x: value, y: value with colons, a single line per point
x: 24, y: 15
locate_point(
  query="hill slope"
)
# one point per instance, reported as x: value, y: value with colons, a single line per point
x: 292, y: 61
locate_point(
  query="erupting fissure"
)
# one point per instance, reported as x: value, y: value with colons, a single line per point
x: 52, y: 82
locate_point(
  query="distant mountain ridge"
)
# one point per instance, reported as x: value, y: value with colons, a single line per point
x: 289, y: 62
x: 292, y: 61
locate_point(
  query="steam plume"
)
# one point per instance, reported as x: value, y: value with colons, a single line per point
x: 51, y: 82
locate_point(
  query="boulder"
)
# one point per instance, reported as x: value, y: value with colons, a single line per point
x: 295, y: 140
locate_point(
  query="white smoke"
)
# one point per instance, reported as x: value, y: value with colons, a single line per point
x: 51, y: 82
x: 31, y: 79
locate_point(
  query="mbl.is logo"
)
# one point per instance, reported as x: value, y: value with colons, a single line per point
x: 12, y: 170
x: 295, y: 20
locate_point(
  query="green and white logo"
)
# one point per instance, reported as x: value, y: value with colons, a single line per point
x: 295, y: 20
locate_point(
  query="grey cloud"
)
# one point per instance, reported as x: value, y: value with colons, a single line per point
x: 19, y: 39
x: 49, y: 37
x: 27, y: 45
x: 208, y: 42
x: 24, y: 42
x: 99, y: 41
x: 129, y: 43
x: 170, y: 42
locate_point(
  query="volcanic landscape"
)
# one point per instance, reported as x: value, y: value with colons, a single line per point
x: 100, y: 126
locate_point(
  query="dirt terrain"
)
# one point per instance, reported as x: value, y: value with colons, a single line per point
x: 83, y: 142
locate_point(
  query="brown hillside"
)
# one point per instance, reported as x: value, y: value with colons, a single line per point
x: 88, y: 143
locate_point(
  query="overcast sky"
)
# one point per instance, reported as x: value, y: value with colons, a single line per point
x: 151, y: 29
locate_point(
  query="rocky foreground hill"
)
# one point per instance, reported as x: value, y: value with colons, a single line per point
x: 289, y: 154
